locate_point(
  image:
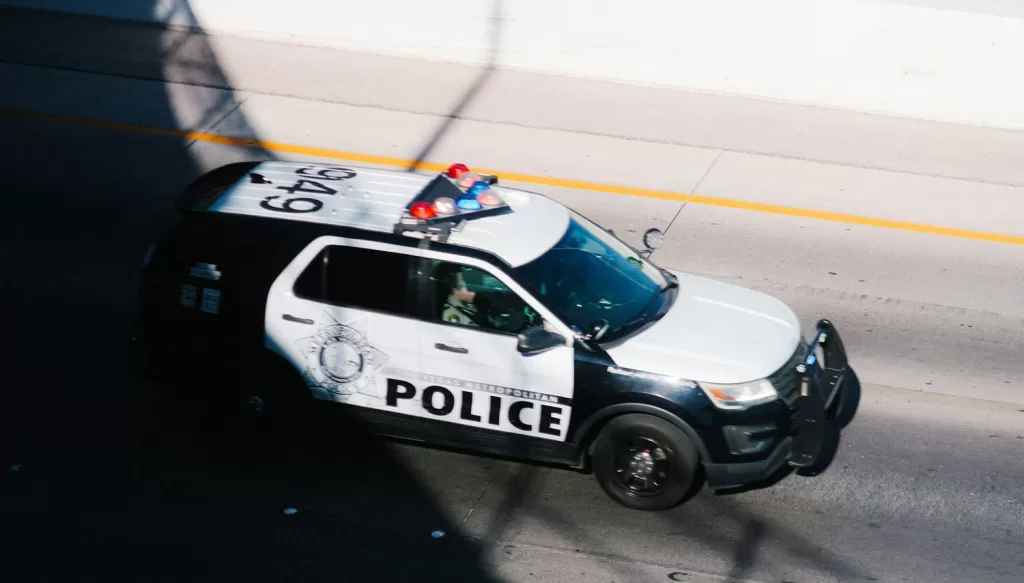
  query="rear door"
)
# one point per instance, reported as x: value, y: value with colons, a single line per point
x: 340, y: 314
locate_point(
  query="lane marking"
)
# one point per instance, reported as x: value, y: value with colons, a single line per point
x: 775, y: 209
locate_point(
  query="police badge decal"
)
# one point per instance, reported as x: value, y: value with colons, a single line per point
x: 340, y: 360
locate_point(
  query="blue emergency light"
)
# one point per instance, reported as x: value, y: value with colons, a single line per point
x: 444, y: 201
x: 469, y: 203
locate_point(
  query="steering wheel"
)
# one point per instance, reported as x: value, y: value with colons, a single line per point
x: 502, y: 310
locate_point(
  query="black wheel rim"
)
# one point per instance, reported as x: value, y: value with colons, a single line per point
x: 642, y: 466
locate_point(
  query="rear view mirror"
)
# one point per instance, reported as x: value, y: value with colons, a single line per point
x: 539, y: 339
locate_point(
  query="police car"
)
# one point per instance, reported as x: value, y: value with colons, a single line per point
x: 451, y: 310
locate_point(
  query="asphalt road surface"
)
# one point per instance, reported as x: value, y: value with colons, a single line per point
x: 103, y: 477
x: 118, y: 485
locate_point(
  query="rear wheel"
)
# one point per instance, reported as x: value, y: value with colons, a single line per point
x: 644, y: 462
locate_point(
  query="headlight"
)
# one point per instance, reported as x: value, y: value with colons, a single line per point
x: 740, y: 396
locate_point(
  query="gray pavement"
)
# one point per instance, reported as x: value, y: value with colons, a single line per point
x: 927, y: 484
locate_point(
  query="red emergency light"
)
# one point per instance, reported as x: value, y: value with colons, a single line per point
x: 422, y: 210
x: 457, y: 170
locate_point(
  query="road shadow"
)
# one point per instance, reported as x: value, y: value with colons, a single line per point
x: 103, y: 476
x: 715, y: 521
x: 721, y: 527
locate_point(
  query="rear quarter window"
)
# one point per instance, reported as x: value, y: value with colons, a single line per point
x: 354, y: 277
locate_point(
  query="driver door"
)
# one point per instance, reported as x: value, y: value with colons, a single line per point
x: 470, y: 345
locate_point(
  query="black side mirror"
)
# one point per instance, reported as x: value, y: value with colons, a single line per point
x: 539, y: 339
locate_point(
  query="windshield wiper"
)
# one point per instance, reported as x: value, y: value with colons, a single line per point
x: 642, y: 316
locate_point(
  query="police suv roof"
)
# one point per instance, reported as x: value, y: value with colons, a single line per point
x: 376, y: 200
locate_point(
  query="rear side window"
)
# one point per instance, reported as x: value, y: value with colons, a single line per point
x: 353, y: 277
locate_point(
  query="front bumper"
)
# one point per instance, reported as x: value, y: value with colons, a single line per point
x: 822, y: 374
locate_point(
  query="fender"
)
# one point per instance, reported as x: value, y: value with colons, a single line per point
x: 587, y: 432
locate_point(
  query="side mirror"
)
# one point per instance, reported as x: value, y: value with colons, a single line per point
x: 538, y: 339
x: 653, y: 238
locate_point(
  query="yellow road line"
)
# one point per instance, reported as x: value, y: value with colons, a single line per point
x: 525, y: 178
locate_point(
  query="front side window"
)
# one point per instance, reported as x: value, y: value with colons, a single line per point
x: 595, y: 281
x: 467, y: 296
x: 355, y: 277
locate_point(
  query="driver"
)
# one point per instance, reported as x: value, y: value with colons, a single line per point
x: 459, y: 307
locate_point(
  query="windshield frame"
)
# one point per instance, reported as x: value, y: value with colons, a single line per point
x: 659, y: 301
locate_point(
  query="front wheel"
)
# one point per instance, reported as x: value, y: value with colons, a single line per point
x: 644, y: 462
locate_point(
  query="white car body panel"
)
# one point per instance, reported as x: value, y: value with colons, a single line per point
x: 367, y: 349
x: 716, y: 333
x: 375, y: 199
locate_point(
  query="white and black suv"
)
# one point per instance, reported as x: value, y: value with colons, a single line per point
x: 451, y: 310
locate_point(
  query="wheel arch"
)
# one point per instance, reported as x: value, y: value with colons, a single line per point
x: 275, y: 368
x: 587, y: 434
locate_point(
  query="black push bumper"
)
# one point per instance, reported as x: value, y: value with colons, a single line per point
x: 822, y: 373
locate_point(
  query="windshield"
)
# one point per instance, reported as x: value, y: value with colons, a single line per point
x: 590, y: 276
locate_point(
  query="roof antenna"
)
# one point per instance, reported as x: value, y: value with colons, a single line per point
x: 258, y: 178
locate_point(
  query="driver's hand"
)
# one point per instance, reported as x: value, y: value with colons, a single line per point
x: 531, y: 316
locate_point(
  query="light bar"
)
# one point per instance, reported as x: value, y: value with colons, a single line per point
x: 454, y: 195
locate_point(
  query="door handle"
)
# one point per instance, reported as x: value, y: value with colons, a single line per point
x: 440, y: 346
x: 292, y: 318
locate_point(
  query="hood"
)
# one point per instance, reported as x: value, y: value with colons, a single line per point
x: 715, y: 332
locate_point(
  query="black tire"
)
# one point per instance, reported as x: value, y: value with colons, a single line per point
x: 633, y: 434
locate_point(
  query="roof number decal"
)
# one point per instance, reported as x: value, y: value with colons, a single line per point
x: 306, y: 204
x: 313, y: 188
x: 286, y: 205
x: 325, y: 173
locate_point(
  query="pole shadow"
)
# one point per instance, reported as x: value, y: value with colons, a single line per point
x: 114, y: 479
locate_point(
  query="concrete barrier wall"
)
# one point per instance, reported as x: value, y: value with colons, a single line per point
x: 922, y: 60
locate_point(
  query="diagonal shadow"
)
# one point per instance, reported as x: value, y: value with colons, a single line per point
x: 526, y: 479
x: 747, y: 547
x: 130, y: 479
x: 720, y: 515
x: 796, y: 545
x: 517, y: 487
x: 478, y: 84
